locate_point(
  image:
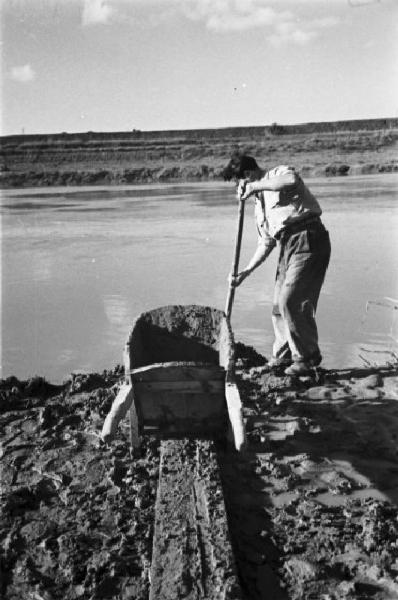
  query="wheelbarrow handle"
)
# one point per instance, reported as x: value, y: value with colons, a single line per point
x: 235, y: 264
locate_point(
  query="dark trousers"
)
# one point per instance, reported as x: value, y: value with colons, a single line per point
x: 303, y: 260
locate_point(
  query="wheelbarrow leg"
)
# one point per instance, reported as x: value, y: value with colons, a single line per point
x: 134, y: 427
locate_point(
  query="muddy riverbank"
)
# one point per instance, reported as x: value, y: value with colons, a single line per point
x: 311, y: 505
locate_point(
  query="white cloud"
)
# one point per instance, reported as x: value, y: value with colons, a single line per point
x: 96, y: 11
x: 282, y: 26
x: 23, y: 73
x: 277, y: 18
x: 250, y: 19
x: 233, y: 15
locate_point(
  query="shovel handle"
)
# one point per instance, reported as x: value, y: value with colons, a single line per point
x: 235, y: 264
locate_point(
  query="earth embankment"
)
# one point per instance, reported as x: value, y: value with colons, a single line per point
x: 91, y: 158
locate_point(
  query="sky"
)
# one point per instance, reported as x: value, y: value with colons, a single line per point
x: 119, y: 65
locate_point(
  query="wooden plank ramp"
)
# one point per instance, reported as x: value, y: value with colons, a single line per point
x: 192, y: 554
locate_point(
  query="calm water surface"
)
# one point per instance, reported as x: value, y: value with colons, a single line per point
x: 78, y: 264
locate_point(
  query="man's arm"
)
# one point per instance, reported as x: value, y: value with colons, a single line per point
x: 276, y: 183
x: 264, y: 249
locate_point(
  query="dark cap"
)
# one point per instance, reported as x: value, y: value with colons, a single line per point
x: 238, y: 167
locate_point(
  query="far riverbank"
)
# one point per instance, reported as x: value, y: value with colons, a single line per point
x: 315, y: 150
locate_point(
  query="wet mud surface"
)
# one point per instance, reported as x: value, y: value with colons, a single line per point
x: 311, y: 505
x: 76, y: 515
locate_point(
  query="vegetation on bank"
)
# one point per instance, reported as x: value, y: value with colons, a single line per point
x: 91, y: 158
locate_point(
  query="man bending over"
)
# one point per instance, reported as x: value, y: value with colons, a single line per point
x: 288, y: 216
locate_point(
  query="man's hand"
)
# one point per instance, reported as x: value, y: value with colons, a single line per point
x: 242, y: 189
x: 235, y: 280
x: 245, y: 189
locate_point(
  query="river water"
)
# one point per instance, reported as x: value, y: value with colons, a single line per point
x: 80, y: 263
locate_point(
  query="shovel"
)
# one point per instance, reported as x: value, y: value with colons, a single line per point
x: 235, y: 264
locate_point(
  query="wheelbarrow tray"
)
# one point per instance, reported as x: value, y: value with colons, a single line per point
x: 180, y: 376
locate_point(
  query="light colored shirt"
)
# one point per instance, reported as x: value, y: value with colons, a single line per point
x: 274, y: 211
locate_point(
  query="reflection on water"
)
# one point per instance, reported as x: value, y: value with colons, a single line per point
x: 80, y: 263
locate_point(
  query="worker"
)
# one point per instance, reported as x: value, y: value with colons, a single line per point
x: 288, y: 215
